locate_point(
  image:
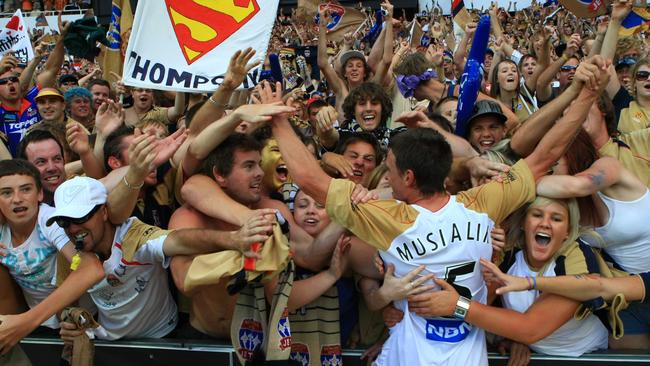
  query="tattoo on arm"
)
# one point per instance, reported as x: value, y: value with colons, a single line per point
x: 598, y: 178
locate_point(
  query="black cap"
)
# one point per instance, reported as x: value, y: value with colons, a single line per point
x: 486, y: 108
x: 66, y: 78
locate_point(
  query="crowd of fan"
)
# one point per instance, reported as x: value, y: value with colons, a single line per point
x: 166, y: 177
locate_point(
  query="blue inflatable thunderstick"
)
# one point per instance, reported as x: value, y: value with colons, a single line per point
x: 470, y: 80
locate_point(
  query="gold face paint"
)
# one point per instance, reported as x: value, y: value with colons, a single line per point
x: 275, y: 170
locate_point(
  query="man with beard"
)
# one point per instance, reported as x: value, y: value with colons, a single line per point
x: 17, y: 111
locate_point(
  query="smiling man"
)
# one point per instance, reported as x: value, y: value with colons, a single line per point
x: 487, y: 126
x: 45, y: 152
x: 79, y: 105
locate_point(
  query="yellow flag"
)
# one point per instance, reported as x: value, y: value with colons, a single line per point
x: 118, y: 37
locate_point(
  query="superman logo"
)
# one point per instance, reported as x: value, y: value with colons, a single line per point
x: 202, y: 25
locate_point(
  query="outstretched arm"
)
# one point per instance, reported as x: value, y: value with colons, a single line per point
x: 333, y: 80
x: 529, y: 134
x: 200, y: 241
x: 548, y: 313
x: 578, y: 287
x: 303, y: 166
x: 215, y: 106
x: 555, y: 143
x: 13, y: 328
x: 387, y: 57
x: 603, y: 173
x: 47, y: 78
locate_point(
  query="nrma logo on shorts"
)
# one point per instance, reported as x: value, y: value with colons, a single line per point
x: 447, y: 330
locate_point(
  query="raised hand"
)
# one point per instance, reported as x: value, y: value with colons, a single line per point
x: 239, y: 68
x: 573, y: 45
x: 120, y: 88
x: 325, y: 119
x: 470, y: 29
x: 266, y: 94
x: 386, y: 5
x: 64, y: 27
x: 498, y: 236
x: 620, y: 10
x: 482, y: 170
x: 256, y: 229
x: 432, y: 304
x: 167, y: 147
x: 110, y: 116
x: 492, y: 274
x: 13, y: 328
x: 593, y: 73
x: 142, y: 155
x: 411, y: 284
x: 339, y: 164
x: 361, y: 194
x: 77, y: 138
x: 259, y: 113
x: 8, y: 62
x: 339, y: 261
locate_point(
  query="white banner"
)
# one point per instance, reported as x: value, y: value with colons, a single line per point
x: 425, y: 5
x: 15, y: 38
x: 186, y: 45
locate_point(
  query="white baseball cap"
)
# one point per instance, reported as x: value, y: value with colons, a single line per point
x: 75, y: 198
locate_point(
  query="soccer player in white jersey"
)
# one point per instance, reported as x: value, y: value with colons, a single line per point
x: 427, y: 226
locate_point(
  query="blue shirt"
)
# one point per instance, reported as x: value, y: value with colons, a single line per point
x: 14, y: 124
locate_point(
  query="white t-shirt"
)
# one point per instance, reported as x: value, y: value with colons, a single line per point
x: 32, y: 264
x: 573, y: 338
x: 133, y: 300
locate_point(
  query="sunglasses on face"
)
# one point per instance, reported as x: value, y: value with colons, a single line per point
x: 642, y: 75
x: 567, y: 68
x: 13, y: 79
x: 65, y: 222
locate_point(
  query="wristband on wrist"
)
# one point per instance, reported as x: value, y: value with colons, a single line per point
x: 130, y: 186
x: 215, y: 103
x: 462, y: 307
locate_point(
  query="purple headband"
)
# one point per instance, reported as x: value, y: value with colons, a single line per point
x: 408, y: 83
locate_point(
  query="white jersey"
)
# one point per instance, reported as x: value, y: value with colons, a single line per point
x: 32, y: 264
x: 626, y: 233
x: 449, y: 242
x: 133, y: 300
x: 573, y: 338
